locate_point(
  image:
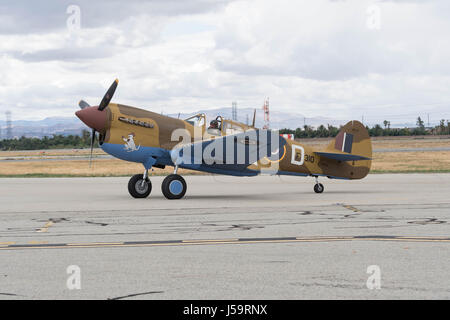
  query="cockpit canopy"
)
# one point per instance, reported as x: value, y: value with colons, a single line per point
x: 219, y: 126
x: 198, y: 120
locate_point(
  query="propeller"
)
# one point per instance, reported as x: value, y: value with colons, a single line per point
x: 83, y: 104
x: 103, y: 104
x: 108, y: 95
x: 92, y: 147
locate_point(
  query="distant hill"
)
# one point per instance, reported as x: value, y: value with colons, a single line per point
x: 278, y: 119
x: 46, y: 127
x: 72, y: 125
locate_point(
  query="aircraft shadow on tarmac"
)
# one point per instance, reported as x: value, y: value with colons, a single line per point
x: 260, y: 196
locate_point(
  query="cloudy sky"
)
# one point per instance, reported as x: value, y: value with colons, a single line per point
x: 339, y: 59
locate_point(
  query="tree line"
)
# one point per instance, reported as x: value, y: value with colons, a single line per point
x: 84, y: 140
x: 55, y: 142
x: 375, y: 131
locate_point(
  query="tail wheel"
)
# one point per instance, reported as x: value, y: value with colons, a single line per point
x: 174, y: 187
x: 138, y: 187
x: 318, y: 188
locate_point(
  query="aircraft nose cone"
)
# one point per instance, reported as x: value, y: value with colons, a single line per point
x: 93, y: 117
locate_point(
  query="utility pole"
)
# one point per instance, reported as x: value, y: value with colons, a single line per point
x: 266, y: 114
x: 234, y: 111
x: 8, y: 125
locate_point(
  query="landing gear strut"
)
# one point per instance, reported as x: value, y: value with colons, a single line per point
x: 318, y: 187
x: 140, y: 185
x: 174, y: 186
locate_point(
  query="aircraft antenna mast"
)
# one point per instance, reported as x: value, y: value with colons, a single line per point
x: 266, y: 114
x: 234, y: 111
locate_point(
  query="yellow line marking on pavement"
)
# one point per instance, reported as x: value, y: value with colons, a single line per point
x: 94, y: 243
x: 37, y: 242
x: 351, y: 208
x: 404, y: 237
x: 212, y: 242
x: 325, y: 238
x: 218, y: 240
x: 412, y: 240
x: 46, y: 226
x: 7, y: 243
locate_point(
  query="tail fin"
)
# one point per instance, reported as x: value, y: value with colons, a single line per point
x: 351, y: 144
x: 353, y: 138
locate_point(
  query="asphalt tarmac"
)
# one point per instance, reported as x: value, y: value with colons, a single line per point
x: 266, y: 237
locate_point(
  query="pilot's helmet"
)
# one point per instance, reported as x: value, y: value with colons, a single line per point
x: 214, y: 124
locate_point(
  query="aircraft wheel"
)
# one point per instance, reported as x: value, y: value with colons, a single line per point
x: 174, y: 187
x: 318, y: 188
x: 138, y: 188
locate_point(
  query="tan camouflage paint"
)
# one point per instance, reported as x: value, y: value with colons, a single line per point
x: 319, y: 165
x: 159, y: 135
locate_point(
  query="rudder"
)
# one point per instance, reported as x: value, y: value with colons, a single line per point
x: 354, y: 139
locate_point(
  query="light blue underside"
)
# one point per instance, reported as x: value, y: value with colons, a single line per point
x: 150, y: 156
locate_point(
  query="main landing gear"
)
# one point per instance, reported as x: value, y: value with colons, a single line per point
x: 140, y: 185
x: 318, y: 187
x: 173, y: 186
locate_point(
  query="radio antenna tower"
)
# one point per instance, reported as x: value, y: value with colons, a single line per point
x: 266, y: 114
x: 234, y: 111
x: 8, y: 125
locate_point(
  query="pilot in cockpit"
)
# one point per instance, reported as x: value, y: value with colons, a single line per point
x: 215, y: 124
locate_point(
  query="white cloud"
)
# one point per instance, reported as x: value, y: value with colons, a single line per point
x: 314, y: 57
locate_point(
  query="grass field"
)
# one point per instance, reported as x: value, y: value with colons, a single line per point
x: 78, y: 168
x: 392, y: 142
x: 52, y: 164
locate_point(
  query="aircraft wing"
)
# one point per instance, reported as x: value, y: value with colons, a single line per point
x: 232, y: 152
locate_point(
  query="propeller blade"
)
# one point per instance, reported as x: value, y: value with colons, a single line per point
x: 108, y: 95
x: 92, y: 147
x: 83, y: 104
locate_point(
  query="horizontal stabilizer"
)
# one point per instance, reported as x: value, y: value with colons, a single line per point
x: 341, y: 156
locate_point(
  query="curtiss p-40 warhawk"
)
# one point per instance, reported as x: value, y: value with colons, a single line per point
x: 220, y: 147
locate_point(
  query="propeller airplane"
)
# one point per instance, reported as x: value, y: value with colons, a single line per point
x: 224, y: 147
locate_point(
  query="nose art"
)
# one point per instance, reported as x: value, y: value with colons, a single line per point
x: 93, y: 117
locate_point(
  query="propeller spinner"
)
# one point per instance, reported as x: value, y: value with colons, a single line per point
x: 95, y: 117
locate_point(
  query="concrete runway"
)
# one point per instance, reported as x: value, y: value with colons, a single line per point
x: 230, y: 238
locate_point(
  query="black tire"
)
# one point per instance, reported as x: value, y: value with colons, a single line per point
x: 134, y: 186
x: 174, y: 187
x: 318, y: 188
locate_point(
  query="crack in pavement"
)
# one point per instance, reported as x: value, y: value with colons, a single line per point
x: 8, y: 294
x: 135, y: 294
x: 98, y: 223
x: 428, y: 221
